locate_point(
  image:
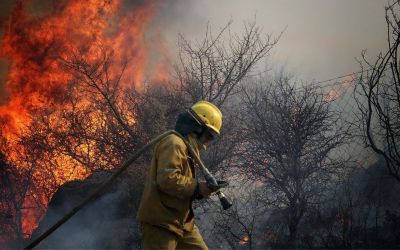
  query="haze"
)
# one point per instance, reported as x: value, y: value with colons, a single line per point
x: 322, y: 39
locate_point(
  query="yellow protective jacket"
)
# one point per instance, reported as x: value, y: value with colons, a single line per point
x: 170, y: 187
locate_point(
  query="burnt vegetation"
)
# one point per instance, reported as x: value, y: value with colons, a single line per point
x: 305, y: 172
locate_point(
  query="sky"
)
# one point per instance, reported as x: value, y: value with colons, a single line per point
x: 321, y: 40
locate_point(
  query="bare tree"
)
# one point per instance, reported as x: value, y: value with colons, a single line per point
x: 361, y: 212
x: 291, y: 132
x: 12, y: 198
x: 92, y: 71
x: 18, y: 189
x: 380, y: 86
x: 211, y: 69
x: 242, y: 225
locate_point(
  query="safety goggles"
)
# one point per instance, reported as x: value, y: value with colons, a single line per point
x: 211, y: 134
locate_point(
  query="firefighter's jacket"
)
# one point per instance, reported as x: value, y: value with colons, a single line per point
x: 170, y: 187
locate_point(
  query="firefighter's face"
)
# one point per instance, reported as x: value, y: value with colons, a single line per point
x: 204, y: 139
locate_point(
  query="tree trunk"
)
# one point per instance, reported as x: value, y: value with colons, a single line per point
x: 293, y: 226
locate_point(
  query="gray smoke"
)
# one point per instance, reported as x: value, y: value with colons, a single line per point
x: 107, y: 222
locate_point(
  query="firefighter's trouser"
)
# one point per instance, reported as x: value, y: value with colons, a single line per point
x: 155, y: 237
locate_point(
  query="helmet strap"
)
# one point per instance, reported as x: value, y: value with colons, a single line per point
x: 204, y: 128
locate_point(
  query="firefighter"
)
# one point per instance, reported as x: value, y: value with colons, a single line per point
x: 166, y: 213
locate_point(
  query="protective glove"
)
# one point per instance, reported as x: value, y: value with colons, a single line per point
x: 213, y: 187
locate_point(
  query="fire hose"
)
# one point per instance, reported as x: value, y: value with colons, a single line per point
x: 212, y: 184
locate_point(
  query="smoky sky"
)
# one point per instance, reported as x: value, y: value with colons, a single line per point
x: 322, y: 39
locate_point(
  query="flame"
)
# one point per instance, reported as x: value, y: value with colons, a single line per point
x: 34, y: 79
x: 339, y: 90
x: 345, y: 218
x: 244, y: 241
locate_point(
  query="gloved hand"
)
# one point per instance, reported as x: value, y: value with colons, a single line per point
x: 211, y: 187
x: 204, y: 190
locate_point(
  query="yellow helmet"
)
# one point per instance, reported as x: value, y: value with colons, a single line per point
x: 209, y: 114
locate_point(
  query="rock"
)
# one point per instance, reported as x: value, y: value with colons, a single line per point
x: 107, y: 221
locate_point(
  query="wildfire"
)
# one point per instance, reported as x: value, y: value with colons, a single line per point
x: 339, y: 90
x: 345, y: 218
x: 31, y: 42
x: 244, y: 241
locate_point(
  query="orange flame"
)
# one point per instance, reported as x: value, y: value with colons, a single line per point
x: 345, y: 219
x: 34, y: 79
x: 339, y: 90
x: 244, y: 241
x: 30, y: 42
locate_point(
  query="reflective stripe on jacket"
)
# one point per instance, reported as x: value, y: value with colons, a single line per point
x: 169, y: 188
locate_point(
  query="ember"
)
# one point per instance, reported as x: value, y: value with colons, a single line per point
x: 244, y: 241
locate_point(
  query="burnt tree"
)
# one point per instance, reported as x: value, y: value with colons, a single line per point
x: 378, y: 97
x: 290, y: 132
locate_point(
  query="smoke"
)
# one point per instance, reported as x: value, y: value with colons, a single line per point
x: 103, y: 223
